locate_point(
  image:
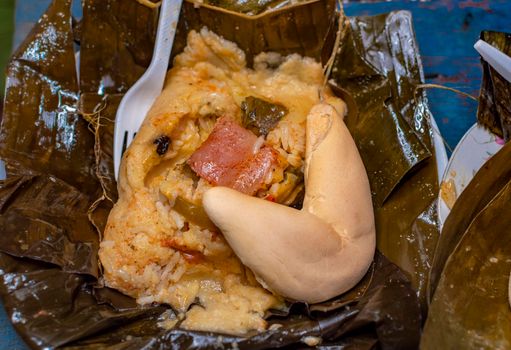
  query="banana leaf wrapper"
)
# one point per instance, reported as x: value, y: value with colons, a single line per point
x: 470, y: 307
x: 250, y: 7
x: 494, y: 111
x: 482, y: 189
x: 390, y: 125
x: 300, y: 28
x: 56, y: 140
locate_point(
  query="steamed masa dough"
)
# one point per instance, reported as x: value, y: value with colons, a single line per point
x: 150, y: 251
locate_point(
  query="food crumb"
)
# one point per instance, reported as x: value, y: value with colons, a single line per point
x: 448, y: 192
x: 311, y: 341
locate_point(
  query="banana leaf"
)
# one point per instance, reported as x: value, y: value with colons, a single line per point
x: 494, y: 111
x: 250, y: 7
x: 116, y: 44
x: 470, y: 307
x: 481, y: 190
x: 378, y: 69
x: 56, y: 140
x: 49, y: 153
x: 300, y: 28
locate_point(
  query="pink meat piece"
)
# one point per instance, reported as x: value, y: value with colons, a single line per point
x: 254, y: 170
x: 226, y: 158
x: 227, y: 146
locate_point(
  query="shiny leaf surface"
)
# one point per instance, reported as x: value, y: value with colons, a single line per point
x: 378, y: 69
x: 470, y: 307
x: 490, y: 179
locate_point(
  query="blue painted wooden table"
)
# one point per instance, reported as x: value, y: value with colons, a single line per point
x: 446, y: 31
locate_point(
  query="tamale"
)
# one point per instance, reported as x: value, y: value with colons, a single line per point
x: 381, y: 311
x: 470, y: 307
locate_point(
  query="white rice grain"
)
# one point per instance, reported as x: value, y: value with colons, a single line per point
x: 171, y: 265
x: 178, y: 219
x: 258, y: 144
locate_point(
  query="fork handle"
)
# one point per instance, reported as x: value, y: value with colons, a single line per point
x: 169, y: 16
x: 495, y: 58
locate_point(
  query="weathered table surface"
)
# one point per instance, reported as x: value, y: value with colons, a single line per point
x: 446, y: 31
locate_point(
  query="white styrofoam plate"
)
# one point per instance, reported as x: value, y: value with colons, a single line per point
x: 440, y: 152
x: 473, y: 150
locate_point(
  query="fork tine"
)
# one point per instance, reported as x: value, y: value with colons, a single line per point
x: 124, y: 142
x: 139, y: 98
x: 120, y: 140
x: 129, y: 138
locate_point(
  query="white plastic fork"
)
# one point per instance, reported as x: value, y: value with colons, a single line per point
x: 140, y: 97
x: 495, y: 58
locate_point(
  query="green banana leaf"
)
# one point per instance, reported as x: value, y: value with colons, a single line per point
x: 392, y: 132
x: 300, y: 28
x: 490, y: 179
x: 470, y: 307
x: 49, y: 154
x: 56, y: 140
x: 251, y: 7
